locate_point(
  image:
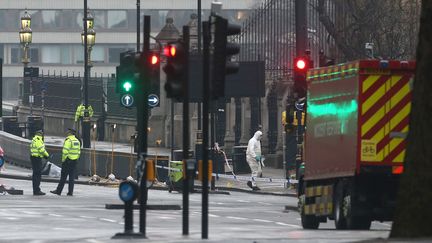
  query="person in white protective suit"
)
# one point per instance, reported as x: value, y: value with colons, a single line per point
x: 253, y: 157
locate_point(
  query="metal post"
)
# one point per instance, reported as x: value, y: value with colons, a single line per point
x: 206, y: 95
x: 199, y: 53
x: 142, y: 93
x: 186, y: 135
x: 86, y: 120
x: 138, y: 25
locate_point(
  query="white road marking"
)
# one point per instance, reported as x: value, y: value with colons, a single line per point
x: 108, y: 220
x: 213, y: 215
x: 243, y: 201
x: 11, y: 218
x: 87, y: 217
x: 239, y: 218
x: 165, y: 217
x: 31, y: 213
x: 290, y: 225
x: 264, y: 203
x: 54, y: 215
x: 262, y: 220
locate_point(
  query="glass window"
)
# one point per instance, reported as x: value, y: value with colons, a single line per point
x: 3, y: 23
x: 99, y: 19
x: 67, y: 19
x: 49, y: 19
x: 2, y: 52
x: 98, y: 54
x: 34, y: 55
x: 50, y: 54
x: 79, y: 54
x: 15, y: 55
x: 65, y: 54
x: 117, y: 19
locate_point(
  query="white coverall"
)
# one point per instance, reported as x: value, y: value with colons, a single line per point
x: 253, y: 155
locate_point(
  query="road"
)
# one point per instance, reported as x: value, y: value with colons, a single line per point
x: 238, y: 217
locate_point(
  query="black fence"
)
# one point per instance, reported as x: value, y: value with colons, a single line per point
x: 65, y: 93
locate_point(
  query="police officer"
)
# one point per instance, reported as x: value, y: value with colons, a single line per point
x: 80, y: 113
x: 70, y: 155
x: 37, y: 152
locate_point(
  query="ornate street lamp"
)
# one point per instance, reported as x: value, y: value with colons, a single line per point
x: 88, y: 37
x: 25, y: 36
x: 91, y: 38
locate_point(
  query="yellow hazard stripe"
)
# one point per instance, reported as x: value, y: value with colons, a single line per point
x: 367, y: 83
x: 371, y: 100
x: 372, y: 121
x: 400, y: 116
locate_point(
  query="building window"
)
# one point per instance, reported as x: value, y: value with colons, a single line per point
x: 117, y: 19
x: 98, y: 54
x: 65, y: 55
x: 15, y: 55
x: 79, y: 54
x: 2, y: 52
x: 34, y: 55
x: 50, y: 54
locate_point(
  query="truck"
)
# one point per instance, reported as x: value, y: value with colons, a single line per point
x: 357, y: 118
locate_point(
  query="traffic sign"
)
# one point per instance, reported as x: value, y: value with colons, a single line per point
x: 127, y: 100
x: 153, y: 100
x: 127, y: 191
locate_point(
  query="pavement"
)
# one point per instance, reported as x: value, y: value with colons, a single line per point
x: 273, y: 180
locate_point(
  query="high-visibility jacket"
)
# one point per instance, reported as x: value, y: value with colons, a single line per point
x: 71, y: 148
x: 80, y: 111
x: 37, y: 147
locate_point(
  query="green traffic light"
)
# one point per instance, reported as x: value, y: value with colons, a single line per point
x: 127, y: 86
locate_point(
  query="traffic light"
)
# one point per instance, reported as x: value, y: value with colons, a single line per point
x: 153, y: 64
x: 126, y: 73
x: 222, y: 54
x: 176, y: 68
x: 301, y: 66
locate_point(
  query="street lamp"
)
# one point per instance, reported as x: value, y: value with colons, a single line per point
x: 25, y: 35
x: 91, y: 38
x: 88, y: 37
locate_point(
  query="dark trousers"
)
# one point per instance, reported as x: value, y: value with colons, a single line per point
x: 36, y: 177
x: 68, y: 169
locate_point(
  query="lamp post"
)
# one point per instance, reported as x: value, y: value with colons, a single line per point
x: 25, y: 35
x: 88, y: 40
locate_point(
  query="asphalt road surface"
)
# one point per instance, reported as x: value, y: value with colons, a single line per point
x: 238, y: 217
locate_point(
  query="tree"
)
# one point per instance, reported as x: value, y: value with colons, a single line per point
x: 414, y: 209
x: 392, y: 25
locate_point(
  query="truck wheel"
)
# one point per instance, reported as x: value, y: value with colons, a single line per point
x: 354, y: 222
x: 338, y: 210
x: 308, y: 221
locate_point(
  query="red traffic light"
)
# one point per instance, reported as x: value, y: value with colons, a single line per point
x: 154, y: 59
x: 170, y: 50
x: 300, y: 64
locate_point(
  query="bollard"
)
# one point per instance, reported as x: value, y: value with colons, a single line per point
x: 128, y: 191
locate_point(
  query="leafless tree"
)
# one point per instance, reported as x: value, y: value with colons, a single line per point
x: 391, y: 25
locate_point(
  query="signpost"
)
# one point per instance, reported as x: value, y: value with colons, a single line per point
x: 127, y: 100
x: 153, y: 100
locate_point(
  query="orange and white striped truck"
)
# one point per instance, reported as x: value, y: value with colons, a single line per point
x: 357, y: 119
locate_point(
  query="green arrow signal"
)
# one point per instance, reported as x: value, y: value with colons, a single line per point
x: 127, y: 86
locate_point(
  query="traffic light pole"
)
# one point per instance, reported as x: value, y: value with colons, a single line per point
x: 186, y: 135
x: 206, y: 101
x: 142, y: 93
